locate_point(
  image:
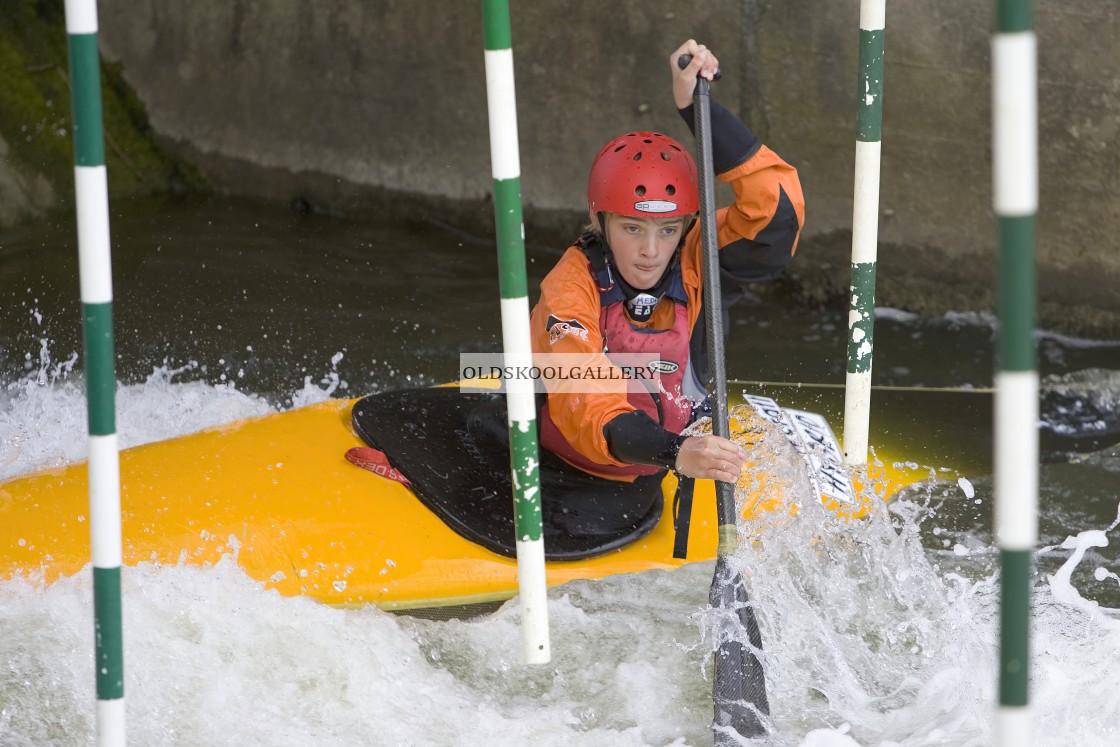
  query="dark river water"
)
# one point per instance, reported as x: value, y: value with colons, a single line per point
x: 235, y: 295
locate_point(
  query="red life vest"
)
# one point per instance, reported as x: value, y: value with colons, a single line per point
x: 669, y: 404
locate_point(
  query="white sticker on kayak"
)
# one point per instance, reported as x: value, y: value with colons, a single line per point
x: 767, y: 408
x: 812, y: 438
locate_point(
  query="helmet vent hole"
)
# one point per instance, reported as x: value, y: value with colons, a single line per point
x: 670, y: 190
x: 640, y: 190
x: 616, y: 150
x: 638, y: 156
x: 664, y: 156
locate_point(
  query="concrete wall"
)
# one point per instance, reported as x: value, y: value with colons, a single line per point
x: 936, y: 217
x: 348, y: 103
x: 392, y: 93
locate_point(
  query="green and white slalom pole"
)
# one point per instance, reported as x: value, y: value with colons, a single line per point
x: 865, y: 231
x: 1015, y: 177
x: 95, y: 267
x: 516, y: 342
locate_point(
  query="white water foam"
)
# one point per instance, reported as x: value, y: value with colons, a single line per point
x: 43, y: 416
x: 867, y: 641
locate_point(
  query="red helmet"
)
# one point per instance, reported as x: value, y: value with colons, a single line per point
x: 643, y: 173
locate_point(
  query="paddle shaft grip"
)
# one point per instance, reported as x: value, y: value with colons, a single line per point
x: 684, y: 59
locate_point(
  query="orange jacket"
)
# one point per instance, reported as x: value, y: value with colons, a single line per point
x: 757, y: 237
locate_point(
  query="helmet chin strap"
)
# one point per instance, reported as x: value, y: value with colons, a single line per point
x: 640, y: 303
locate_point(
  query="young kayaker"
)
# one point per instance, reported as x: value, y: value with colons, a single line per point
x: 632, y: 283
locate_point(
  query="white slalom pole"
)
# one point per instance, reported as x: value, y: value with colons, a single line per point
x: 516, y: 341
x: 1015, y: 191
x: 865, y: 231
x: 95, y: 268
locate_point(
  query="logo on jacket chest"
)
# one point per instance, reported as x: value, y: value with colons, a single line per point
x: 663, y: 367
x: 558, y: 329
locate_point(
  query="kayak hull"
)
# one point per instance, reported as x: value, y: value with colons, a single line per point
x: 278, y: 495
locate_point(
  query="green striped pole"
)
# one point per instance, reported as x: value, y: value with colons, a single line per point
x: 1015, y: 189
x: 95, y: 268
x: 865, y: 230
x: 516, y: 343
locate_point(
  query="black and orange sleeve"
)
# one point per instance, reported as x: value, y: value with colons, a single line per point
x: 566, y: 320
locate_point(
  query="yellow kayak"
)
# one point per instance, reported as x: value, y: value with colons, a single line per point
x: 278, y: 495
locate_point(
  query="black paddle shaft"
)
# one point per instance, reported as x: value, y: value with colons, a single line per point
x: 717, y: 373
x: 739, y: 686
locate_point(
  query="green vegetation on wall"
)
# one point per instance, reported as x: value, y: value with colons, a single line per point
x: 35, y: 117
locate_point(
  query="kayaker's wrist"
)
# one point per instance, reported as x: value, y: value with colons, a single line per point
x: 635, y: 438
x: 673, y: 454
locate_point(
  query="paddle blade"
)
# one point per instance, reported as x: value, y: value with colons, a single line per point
x: 739, y: 689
